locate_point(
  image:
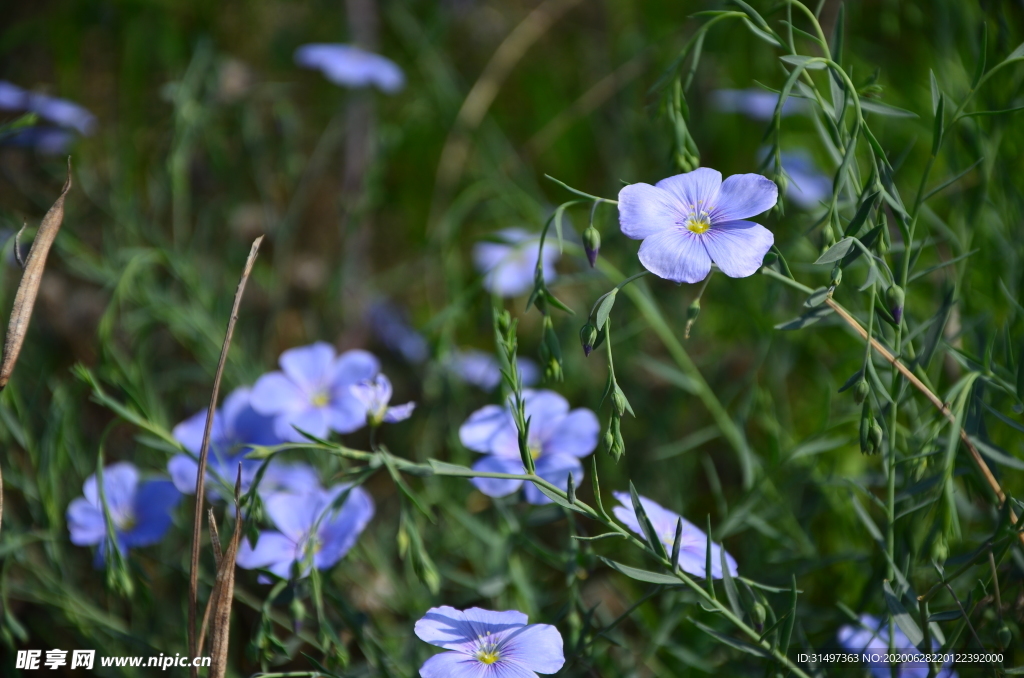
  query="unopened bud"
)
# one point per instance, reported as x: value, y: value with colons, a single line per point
x: 829, y: 237
x: 875, y: 438
x: 692, y: 311
x: 591, y: 244
x: 609, y: 438
x: 1004, y: 636
x: 867, y: 419
x: 619, y: 446
x: 940, y: 549
x: 895, y: 297
x: 619, y: 401
x: 588, y: 335
x: 504, y: 321
x: 860, y: 391
x: 758, y: 615
x: 837, y: 275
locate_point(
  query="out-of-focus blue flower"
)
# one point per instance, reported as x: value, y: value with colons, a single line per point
x: 46, y: 140
x: 350, y: 66
x: 481, y: 369
x: 872, y: 636
x: 394, y: 331
x: 558, y: 439
x: 236, y: 426
x: 298, y: 478
x: 140, y: 513
x: 375, y: 394
x: 308, y: 527
x: 693, y: 546
x: 807, y: 185
x: 487, y: 644
x: 60, y: 112
x: 313, y: 391
x: 688, y: 220
x: 755, y: 103
x: 508, y: 266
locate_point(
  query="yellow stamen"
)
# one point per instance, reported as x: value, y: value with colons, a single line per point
x: 321, y: 399
x: 487, y: 656
x: 535, y: 452
x: 698, y: 224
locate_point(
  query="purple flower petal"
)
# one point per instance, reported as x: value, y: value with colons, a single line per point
x: 275, y: 393
x: 677, y: 255
x: 274, y: 552
x: 295, y: 514
x: 313, y: 421
x: 399, y: 413
x: 309, y: 367
x: 498, y: 487
x: 554, y: 468
x: 190, y: 432
x: 546, y: 410
x: 85, y: 523
x: 645, y: 210
x: 338, y: 532
x: 120, y: 481
x: 183, y: 470
x: 738, y: 247
x: 345, y: 415
x: 694, y: 190
x: 295, y: 478
x: 455, y: 665
x: 451, y: 629
x: 509, y: 267
x: 351, y: 67
x: 537, y: 647
x: 576, y: 434
x: 12, y: 97
x: 742, y: 196
x: 153, y: 504
x: 755, y: 103
x: 353, y: 367
x: 478, y: 431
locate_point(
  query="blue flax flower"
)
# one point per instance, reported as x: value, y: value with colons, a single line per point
x: 350, y: 66
x: 310, y: 530
x: 313, y: 391
x: 390, y: 324
x: 140, y: 513
x: 808, y: 185
x: 236, y: 426
x: 557, y: 438
x: 508, y: 266
x: 758, y: 104
x: 872, y: 636
x: 688, y: 220
x: 693, y: 546
x: 375, y: 394
x: 481, y: 369
x: 487, y: 644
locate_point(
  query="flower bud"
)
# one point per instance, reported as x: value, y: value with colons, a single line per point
x: 940, y: 549
x: 867, y: 419
x: 693, y: 310
x: 619, y: 401
x: 875, y: 438
x: 758, y: 615
x: 591, y: 244
x: 618, y: 446
x: 504, y: 322
x: 1004, y: 636
x: 837, y: 275
x: 588, y: 335
x: 609, y: 438
x: 894, y: 298
x: 860, y: 391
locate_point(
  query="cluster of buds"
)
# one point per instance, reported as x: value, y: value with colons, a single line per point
x: 550, y: 352
x: 870, y: 431
x: 613, y: 441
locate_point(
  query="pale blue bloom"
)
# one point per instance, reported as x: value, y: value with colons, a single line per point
x: 236, y: 426
x: 392, y: 328
x: 313, y: 391
x: 755, y: 103
x: 481, y: 369
x: 140, y: 512
x: 693, y: 545
x: 310, y: 530
x: 872, y: 636
x: 509, y: 266
x: 350, y: 66
x: 375, y: 394
x: 807, y: 185
x: 487, y: 644
x: 60, y: 112
x: 688, y: 220
x: 557, y: 439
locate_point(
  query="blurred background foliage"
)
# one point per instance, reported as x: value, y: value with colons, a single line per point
x: 208, y: 135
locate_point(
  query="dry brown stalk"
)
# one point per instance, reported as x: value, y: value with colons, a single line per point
x: 197, y: 525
